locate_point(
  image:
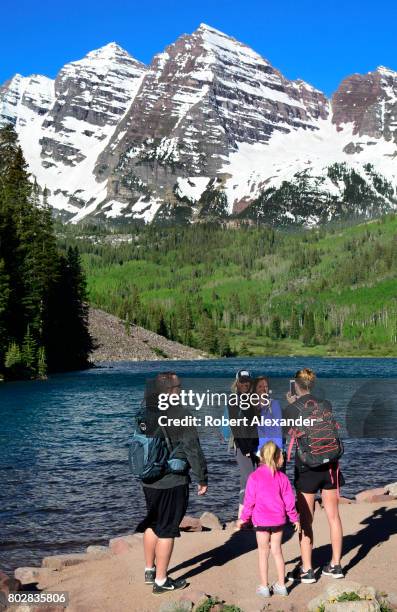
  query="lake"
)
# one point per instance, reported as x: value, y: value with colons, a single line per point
x: 64, y: 478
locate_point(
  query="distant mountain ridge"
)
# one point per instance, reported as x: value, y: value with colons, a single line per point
x: 209, y: 129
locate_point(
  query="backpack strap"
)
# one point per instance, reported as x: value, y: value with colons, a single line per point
x: 290, y: 445
x: 337, y: 478
x: 171, y: 450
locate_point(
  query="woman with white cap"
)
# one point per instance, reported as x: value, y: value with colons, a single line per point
x: 245, y: 437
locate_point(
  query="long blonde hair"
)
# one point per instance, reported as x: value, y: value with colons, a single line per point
x: 269, y: 455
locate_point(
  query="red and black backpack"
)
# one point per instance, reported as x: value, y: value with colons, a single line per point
x: 318, y: 443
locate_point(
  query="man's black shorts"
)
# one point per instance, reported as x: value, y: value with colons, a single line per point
x: 165, y: 510
x: 314, y: 480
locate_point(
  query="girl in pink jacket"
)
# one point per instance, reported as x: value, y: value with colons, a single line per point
x: 269, y: 500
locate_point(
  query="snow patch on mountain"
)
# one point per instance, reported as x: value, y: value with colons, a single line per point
x: 191, y: 187
x: 254, y: 167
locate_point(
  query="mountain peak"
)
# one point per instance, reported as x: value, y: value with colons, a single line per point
x: 218, y: 41
x: 203, y: 27
x: 109, y: 51
x: 386, y: 71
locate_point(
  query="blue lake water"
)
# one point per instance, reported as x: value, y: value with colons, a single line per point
x: 64, y: 479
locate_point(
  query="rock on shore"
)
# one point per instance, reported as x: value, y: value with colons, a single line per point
x: 113, y: 343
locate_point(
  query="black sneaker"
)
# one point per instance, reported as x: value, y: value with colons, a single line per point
x: 298, y: 575
x: 333, y: 570
x: 169, y: 585
x: 150, y: 575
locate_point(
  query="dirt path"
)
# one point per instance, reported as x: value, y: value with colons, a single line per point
x: 225, y: 564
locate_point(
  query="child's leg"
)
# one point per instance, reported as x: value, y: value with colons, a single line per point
x: 277, y: 553
x: 263, y: 539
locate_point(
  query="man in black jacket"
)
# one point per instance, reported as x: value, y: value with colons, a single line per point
x: 167, y: 498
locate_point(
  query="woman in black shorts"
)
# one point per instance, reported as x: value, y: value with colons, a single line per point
x: 309, y: 481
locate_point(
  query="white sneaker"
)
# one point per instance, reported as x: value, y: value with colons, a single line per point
x: 279, y: 590
x: 263, y: 591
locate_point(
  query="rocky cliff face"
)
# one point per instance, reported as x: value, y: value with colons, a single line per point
x: 209, y: 128
x: 24, y: 98
x: 74, y: 118
x: 201, y: 97
x: 369, y: 103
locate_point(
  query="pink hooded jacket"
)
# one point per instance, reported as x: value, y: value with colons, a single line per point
x: 269, y: 499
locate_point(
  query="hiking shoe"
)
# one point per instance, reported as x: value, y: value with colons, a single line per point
x: 333, y: 570
x: 150, y: 575
x: 279, y: 589
x: 263, y: 591
x: 298, y: 575
x: 169, y: 585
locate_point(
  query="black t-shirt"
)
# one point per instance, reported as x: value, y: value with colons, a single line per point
x: 245, y: 436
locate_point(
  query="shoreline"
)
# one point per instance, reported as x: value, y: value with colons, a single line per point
x: 219, y: 562
x: 114, y: 344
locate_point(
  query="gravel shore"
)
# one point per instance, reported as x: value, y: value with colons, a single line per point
x: 113, y: 343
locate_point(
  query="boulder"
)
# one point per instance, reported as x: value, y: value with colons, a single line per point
x: 353, y: 606
x: 123, y: 544
x: 367, y: 603
x: 33, y: 575
x: 58, y: 562
x: 380, y: 498
x: 98, y: 550
x: 189, y: 523
x: 210, y: 521
x: 366, y: 495
x: 392, y: 489
x: 193, y: 596
x: 8, y: 584
x: 176, y: 606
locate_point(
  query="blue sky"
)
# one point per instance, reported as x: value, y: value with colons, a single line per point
x: 319, y: 42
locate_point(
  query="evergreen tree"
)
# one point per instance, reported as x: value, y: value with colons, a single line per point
x: 294, y: 328
x: 207, y: 335
x: 184, y: 321
x: 244, y: 351
x: 41, y: 363
x: 4, y: 298
x: 67, y: 338
x: 224, y: 349
x: 13, y: 361
x: 308, y: 332
x: 275, y: 327
x: 162, y: 329
x: 42, y: 294
x: 127, y: 324
x: 29, y: 353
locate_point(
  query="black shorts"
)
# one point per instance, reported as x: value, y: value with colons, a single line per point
x: 272, y: 529
x: 313, y: 480
x: 165, y: 510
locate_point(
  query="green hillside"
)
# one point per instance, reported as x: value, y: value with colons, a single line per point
x: 251, y: 290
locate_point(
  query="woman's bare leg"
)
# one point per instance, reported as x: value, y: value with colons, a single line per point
x: 277, y: 553
x: 263, y: 539
x: 331, y: 507
x: 305, y: 503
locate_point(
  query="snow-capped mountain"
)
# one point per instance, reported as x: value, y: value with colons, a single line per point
x: 209, y: 128
x: 63, y: 125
